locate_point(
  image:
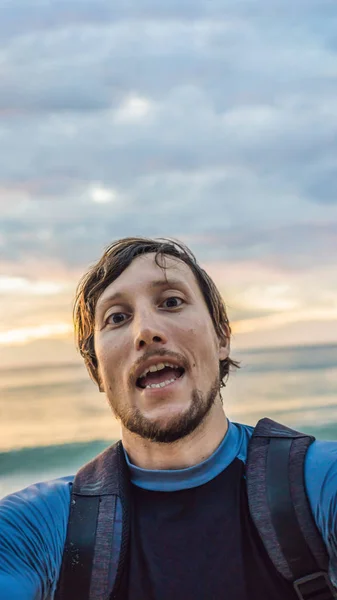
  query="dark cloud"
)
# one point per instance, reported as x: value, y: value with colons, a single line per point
x: 78, y: 238
x: 213, y: 119
x: 20, y: 15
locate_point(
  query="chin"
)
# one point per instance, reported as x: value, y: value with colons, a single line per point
x: 168, y: 421
x: 166, y: 413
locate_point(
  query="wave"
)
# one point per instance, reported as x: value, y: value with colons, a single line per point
x: 70, y: 457
x: 323, y: 432
x: 318, y: 355
x: 296, y: 358
x: 45, y: 458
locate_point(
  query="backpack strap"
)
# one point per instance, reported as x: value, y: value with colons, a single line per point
x: 98, y: 529
x: 281, y: 512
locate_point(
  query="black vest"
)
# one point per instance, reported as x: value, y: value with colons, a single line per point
x: 275, y: 544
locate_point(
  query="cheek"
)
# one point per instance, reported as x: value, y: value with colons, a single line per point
x: 205, y: 342
x: 202, y: 343
x: 110, y: 360
x: 202, y: 333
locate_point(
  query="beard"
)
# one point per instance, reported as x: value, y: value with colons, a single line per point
x: 175, y: 428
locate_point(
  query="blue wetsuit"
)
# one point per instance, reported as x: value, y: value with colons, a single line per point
x: 33, y: 521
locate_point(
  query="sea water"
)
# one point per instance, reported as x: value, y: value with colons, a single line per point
x: 53, y: 419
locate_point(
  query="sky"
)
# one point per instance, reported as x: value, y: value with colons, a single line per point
x: 213, y: 122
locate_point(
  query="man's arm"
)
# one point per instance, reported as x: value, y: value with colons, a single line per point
x: 33, y: 524
x: 15, y: 587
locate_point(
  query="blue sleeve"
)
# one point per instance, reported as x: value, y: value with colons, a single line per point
x: 321, y: 483
x: 33, y: 525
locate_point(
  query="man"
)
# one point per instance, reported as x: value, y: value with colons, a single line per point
x: 153, y: 331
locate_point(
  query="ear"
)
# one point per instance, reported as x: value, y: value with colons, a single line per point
x: 224, y: 348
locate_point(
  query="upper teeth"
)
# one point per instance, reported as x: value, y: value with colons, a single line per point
x: 158, y: 367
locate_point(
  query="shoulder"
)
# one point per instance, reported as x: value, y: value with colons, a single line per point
x: 33, y: 524
x: 320, y: 472
x: 320, y: 468
x: 41, y: 505
x: 321, y: 455
x: 320, y: 480
x: 320, y: 460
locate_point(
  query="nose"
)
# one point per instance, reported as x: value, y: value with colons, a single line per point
x: 148, y: 331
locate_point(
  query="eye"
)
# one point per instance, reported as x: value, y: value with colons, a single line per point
x: 173, y: 302
x: 116, y: 318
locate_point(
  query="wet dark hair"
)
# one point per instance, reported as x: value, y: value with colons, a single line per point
x: 116, y: 258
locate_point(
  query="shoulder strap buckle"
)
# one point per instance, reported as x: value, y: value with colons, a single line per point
x: 315, y: 587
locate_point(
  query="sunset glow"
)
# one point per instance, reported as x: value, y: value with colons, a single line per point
x: 29, y: 334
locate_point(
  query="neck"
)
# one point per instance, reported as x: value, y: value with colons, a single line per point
x: 184, y: 453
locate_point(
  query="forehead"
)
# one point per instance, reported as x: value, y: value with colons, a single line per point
x: 143, y: 271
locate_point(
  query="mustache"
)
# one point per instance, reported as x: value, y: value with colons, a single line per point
x: 158, y: 353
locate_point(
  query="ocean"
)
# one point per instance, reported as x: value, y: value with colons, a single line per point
x: 53, y: 419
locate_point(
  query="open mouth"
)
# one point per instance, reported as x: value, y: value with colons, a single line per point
x: 160, y: 378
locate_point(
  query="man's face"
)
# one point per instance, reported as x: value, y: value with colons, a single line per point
x: 141, y: 321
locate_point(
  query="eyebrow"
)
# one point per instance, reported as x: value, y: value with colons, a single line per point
x: 160, y: 283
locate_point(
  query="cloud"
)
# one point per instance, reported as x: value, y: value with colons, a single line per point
x: 101, y: 194
x: 322, y: 185
x: 29, y: 334
x: 212, y: 122
x: 9, y: 285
